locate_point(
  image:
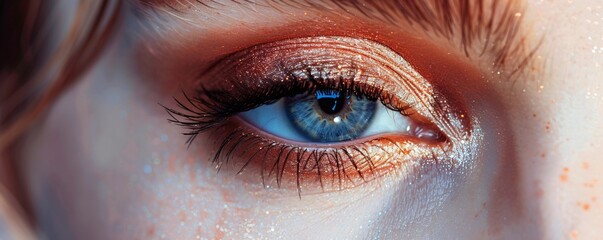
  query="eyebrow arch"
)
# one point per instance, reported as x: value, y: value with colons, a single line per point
x: 493, y: 27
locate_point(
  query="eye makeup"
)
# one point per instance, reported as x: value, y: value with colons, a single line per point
x: 265, y: 73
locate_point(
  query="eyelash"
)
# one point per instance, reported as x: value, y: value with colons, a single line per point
x: 212, y: 110
x: 341, y: 162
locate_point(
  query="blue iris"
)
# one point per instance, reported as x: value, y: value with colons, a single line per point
x: 330, y: 115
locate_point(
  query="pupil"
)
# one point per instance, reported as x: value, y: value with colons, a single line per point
x: 330, y: 101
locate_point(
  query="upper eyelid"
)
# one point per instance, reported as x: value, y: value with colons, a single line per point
x: 400, y: 78
x: 478, y: 26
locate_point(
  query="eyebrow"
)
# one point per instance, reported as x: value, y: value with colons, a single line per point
x: 494, y: 27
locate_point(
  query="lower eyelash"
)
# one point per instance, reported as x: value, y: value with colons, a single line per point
x: 329, y: 168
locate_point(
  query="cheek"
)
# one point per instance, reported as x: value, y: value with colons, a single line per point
x: 105, y: 162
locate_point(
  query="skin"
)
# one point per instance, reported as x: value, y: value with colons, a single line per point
x: 104, y: 163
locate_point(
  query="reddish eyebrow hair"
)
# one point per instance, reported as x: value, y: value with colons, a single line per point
x: 492, y: 26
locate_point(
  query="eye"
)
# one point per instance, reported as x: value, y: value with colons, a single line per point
x: 324, y: 113
x: 329, y: 116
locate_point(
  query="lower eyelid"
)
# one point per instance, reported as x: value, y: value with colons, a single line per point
x: 318, y: 168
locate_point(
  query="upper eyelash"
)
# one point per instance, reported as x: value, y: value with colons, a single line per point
x: 210, y: 108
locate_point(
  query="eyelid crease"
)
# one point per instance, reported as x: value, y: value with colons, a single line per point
x: 478, y: 27
x: 326, y: 57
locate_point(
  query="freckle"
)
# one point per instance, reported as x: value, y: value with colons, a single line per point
x: 151, y: 231
x: 564, y: 176
x: 585, y: 165
x: 574, y: 234
x: 586, y: 207
x: 534, y: 115
x: 547, y: 126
